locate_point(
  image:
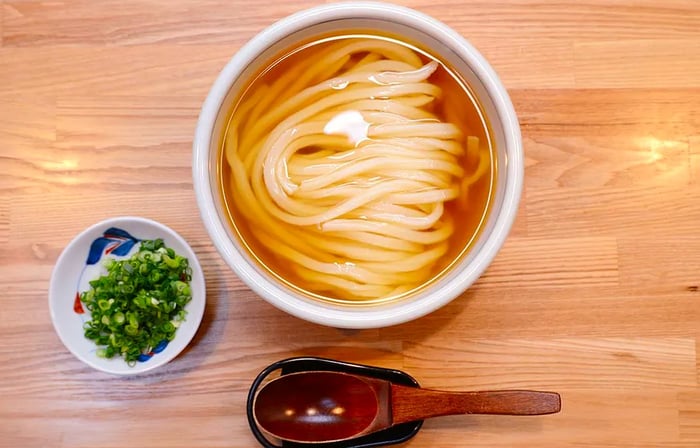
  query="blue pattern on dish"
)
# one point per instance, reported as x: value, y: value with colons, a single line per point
x: 114, y: 241
x: 143, y: 357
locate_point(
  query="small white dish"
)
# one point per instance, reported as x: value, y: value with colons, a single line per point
x: 82, y: 261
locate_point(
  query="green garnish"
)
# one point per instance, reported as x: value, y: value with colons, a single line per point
x: 139, y: 303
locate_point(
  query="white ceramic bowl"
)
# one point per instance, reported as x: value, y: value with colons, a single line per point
x: 82, y: 261
x: 444, y: 43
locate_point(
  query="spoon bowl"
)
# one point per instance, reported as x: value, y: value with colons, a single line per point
x: 316, y: 408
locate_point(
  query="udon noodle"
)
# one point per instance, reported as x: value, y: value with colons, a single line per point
x: 342, y: 168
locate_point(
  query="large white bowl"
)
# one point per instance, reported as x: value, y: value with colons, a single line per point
x: 82, y: 260
x: 443, y: 42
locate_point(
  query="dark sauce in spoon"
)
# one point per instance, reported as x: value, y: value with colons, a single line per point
x: 320, y: 408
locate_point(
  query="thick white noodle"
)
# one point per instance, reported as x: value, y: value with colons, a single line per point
x: 353, y: 217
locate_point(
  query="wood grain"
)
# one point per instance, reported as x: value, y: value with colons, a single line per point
x: 596, y: 294
x: 581, y: 363
x: 694, y: 149
x: 585, y: 261
x: 689, y: 416
x: 636, y: 63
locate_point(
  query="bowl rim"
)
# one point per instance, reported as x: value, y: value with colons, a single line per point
x: 194, y: 317
x: 391, y: 313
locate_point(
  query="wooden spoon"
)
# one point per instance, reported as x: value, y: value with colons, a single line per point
x: 319, y: 407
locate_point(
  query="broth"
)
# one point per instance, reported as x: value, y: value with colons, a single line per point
x: 275, y: 243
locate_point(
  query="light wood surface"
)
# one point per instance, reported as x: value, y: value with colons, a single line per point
x: 596, y: 294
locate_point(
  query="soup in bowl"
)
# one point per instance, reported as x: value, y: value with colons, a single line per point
x: 358, y: 165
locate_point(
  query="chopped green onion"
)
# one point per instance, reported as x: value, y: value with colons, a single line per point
x: 118, y: 317
x: 103, y: 304
x: 139, y: 303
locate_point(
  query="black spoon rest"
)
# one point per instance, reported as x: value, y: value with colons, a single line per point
x: 390, y: 436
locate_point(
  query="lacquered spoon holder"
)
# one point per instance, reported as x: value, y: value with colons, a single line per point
x: 394, y: 435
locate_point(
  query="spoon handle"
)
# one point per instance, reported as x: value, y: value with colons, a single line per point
x: 411, y: 403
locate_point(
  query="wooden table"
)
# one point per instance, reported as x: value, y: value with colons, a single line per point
x: 595, y: 295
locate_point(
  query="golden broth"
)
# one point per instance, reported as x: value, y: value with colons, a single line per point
x: 467, y: 212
